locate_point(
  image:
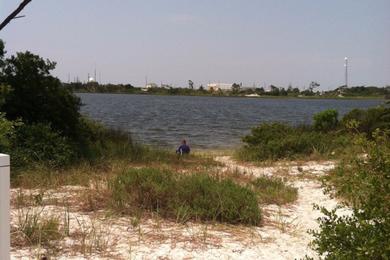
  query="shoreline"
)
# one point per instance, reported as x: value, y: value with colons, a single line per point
x: 226, y: 96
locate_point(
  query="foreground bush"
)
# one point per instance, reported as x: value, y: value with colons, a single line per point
x: 369, y: 120
x: 193, y: 197
x: 364, y: 183
x: 39, y: 143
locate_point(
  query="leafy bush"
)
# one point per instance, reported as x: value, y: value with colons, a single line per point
x: 38, y: 97
x: 7, y: 131
x: 274, y: 191
x: 369, y: 120
x: 39, y: 143
x: 277, y: 140
x: 365, y: 184
x: 198, y: 197
x: 326, y: 120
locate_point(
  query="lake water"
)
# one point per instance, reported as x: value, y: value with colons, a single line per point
x: 206, y: 122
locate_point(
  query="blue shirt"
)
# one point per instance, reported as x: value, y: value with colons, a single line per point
x: 183, y: 149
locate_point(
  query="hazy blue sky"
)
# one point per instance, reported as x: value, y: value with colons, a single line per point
x: 172, y: 41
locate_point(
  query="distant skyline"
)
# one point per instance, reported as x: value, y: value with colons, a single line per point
x: 172, y: 41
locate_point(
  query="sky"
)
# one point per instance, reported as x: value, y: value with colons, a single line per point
x: 261, y: 42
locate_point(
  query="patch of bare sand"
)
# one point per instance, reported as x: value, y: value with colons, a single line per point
x: 98, y: 236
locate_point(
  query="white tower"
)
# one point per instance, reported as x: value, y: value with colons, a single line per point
x: 346, y: 71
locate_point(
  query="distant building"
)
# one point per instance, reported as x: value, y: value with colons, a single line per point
x: 219, y: 86
x: 91, y: 80
x: 151, y: 85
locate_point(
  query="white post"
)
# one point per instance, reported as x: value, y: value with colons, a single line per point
x: 4, y: 207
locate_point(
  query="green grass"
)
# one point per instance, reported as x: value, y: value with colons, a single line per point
x: 274, y: 191
x: 184, y: 197
x: 36, y: 230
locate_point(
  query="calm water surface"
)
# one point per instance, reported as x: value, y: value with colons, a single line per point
x: 206, y: 122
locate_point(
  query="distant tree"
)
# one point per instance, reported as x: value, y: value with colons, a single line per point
x: 190, y: 84
x: 282, y: 92
x: 236, y: 88
x: 260, y: 91
x: 274, y: 90
x: 313, y: 85
x: 290, y: 88
x: 201, y: 88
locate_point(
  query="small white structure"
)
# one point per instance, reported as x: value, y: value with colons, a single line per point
x: 151, y: 85
x: 90, y: 79
x: 253, y: 95
x: 5, y: 240
x: 219, y: 86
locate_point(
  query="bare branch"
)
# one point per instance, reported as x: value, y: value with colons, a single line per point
x: 14, y: 13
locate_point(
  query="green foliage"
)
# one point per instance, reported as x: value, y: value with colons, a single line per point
x: 363, y: 91
x: 278, y: 140
x: 274, y: 191
x: 39, y: 143
x: 369, y: 120
x: 326, y: 120
x: 326, y: 137
x: 7, y: 132
x: 220, y: 200
x: 364, y: 183
x: 36, y: 96
x: 198, y: 197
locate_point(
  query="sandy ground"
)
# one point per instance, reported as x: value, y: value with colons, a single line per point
x: 100, y: 236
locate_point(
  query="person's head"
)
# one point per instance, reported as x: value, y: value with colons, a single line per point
x: 184, y: 141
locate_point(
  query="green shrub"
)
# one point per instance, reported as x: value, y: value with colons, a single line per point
x: 326, y: 120
x: 39, y: 143
x: 219, y: 200
x: 364, y: 183
x: 274, y: 191
x: 369, y: 120
x: 197, y: 197
x: 7, y: 132
x: 277, y: 140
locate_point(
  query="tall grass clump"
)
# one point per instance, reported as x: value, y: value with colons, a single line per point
x: 364, y: 184
x: 34, y: 229
x: 274, y: 191
x: 184, y: 197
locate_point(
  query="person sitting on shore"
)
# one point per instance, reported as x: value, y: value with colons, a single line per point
x: 183, y: 148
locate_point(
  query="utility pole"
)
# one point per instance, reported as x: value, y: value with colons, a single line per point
x: 346, y: 71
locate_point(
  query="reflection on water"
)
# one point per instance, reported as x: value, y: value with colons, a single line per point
x: 206, y: 122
